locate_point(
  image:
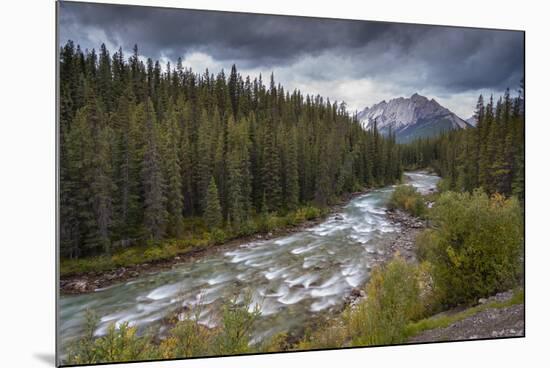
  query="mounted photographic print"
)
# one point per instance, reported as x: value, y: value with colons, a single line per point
x: 233, y: 183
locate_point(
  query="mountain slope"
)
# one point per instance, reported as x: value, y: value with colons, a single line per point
x: 472, y: 120
x: 411, y: 118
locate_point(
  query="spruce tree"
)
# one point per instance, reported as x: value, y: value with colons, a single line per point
x: 155, y: 213
x: 213, y: 211
x: 173, y: 175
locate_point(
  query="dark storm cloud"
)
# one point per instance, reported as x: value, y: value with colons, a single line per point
x: 448, y: 59
x: 257, y: 38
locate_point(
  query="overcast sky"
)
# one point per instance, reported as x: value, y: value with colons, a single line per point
x: 358, y: 62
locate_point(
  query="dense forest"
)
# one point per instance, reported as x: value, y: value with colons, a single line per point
x: 142, y: 148
x: 490, y: 156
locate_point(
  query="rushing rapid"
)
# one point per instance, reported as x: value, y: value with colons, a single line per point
x: 290, y: 279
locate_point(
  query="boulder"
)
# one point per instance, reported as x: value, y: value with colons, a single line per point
x: 79, y: 285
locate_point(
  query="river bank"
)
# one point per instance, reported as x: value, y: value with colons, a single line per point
x: 403, y: 245
x: 88, y: 282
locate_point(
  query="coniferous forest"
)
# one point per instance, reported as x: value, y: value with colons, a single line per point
x: 145, y: 148
x: 490, y: 156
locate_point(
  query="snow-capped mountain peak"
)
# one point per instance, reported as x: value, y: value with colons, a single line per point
x: 409, y: 118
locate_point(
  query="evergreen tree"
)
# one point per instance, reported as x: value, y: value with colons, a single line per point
x: 174, y: 177
x: 213, y: 211
x: 271, y: 170
x: 140, y: 147
x: 155, y: 213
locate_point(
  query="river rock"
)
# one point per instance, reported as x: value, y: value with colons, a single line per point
x: 355, y: 293
x: 79, y: 285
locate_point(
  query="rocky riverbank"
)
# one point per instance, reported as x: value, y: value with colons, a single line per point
x: 403, y: 244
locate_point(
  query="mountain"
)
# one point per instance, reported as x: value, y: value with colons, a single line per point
x: 472, y: 120
x: 411, y: 118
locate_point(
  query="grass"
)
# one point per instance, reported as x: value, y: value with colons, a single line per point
x: 443, y: 321
x: 197, y: 238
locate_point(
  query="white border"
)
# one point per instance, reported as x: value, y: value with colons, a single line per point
x: 27, y: 202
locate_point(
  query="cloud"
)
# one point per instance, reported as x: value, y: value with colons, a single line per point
x: 356, y: 61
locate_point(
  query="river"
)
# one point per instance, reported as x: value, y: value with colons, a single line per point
x: 291, y: 278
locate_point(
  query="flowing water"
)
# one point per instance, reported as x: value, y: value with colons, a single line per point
x: 290, y: 279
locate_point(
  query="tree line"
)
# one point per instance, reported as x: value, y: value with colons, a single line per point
x: 490, y: 156
x: 142, y: 148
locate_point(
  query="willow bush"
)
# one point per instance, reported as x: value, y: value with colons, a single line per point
x: 393, y: 300
x: 407, y: 198
x: 475, y: 245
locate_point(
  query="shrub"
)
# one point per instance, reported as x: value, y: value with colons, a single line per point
x: 118, y: 345
x: 237, y: 322
x: 311, y: 212
x: 393, y: 299
x: 332, y: 336
x: 443, y: 185
x: 268, y: 222
x: 277, y: 342
x: 248, y: 227
x: 407, y: 198
x: 153, y: 253
x: 475, y: 246
x: 218, y: 236
x: 188, y: 338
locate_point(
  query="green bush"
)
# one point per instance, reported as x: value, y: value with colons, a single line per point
x: 237, y: 323
x: 188, y: 338
x: 153, y: 253
x: 218, y: 236
x: 475, y: 246
x: 310, y: 212
x: 393, y: 299
x: 407, y: 198
x: 120, y: 344
x: 443, y: 185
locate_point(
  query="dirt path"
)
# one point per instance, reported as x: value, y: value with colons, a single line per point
x: 489, y: 323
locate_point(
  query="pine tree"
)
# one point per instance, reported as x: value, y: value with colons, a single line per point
x: 271, y: 170
x: 103, y: 187
x: 323, y: 187
x: 238, y: 182
x: 291, y: 189
x: 205, y: 158
x: 173, y: 174
x: 128, y: 158
x: 105, y: 78
x: 213, y: 211
x: 140, y: 148
x: 233, y: 87
x: 155, y: 213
